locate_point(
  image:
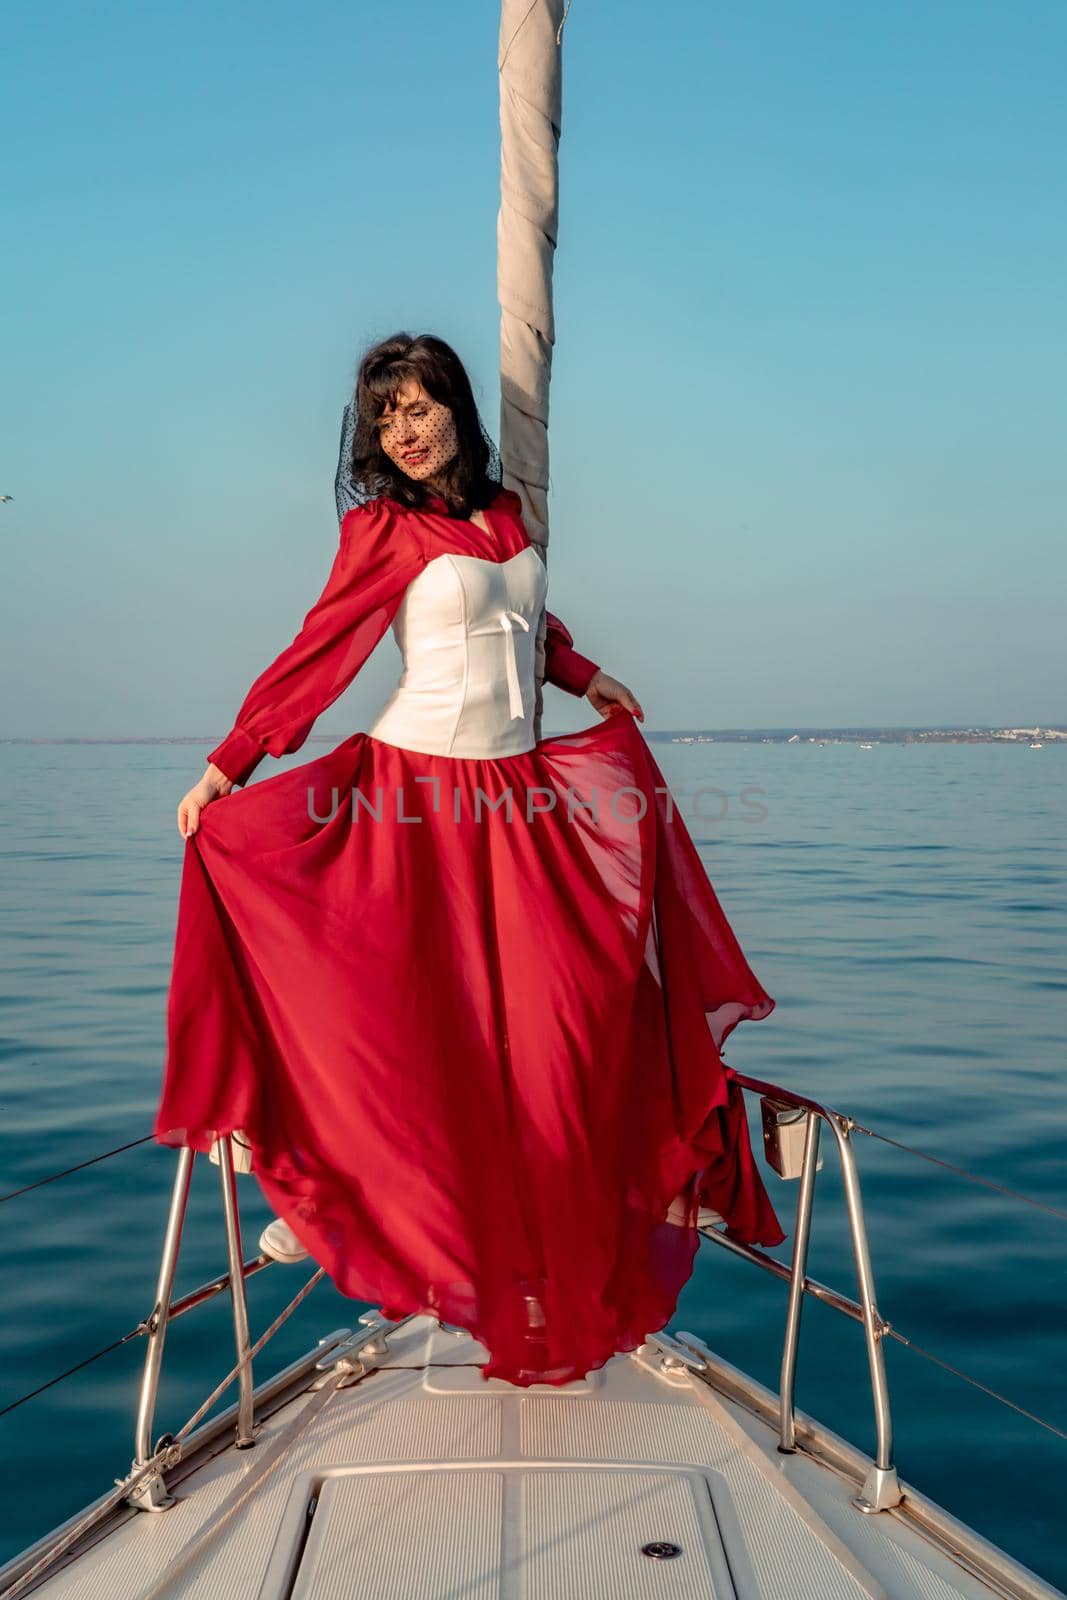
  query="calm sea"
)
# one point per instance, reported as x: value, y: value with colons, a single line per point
x: 905, y: 906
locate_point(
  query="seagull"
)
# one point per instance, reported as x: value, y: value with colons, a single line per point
x: 7, y: 497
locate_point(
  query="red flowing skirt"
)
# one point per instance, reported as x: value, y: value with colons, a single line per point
x: 468, y: 1014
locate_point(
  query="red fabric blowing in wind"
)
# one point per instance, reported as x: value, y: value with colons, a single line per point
x: 471, y: 1055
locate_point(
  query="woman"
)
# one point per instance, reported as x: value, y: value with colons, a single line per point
x: 462, y: 990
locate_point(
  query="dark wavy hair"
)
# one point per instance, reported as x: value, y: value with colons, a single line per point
x: 471, y: 480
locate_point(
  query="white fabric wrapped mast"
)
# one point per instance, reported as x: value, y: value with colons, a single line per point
x: 531, y: 96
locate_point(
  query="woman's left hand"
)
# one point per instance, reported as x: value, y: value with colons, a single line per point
x: 609, y: 696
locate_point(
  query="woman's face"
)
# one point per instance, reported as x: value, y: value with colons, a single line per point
x: 418, y: 434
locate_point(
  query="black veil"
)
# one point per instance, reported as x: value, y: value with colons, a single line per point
x: 349, y: 493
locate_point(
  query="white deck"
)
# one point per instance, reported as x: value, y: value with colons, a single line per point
x: 430, y: 1483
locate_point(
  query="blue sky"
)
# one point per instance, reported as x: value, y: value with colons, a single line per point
x: 807, y: 405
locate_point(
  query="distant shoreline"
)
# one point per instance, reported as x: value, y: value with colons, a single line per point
x: 793, y: 735
x: 865, y: 736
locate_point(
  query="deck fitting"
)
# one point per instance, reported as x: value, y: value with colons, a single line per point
x: 881, y: 1491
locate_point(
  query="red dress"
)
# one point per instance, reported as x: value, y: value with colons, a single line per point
x: 474, y: 1046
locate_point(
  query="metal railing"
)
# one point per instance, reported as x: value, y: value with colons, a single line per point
x: 882, y: 1490
x: 152, y: 1493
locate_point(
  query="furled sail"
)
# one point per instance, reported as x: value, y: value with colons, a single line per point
x: 531, y: 95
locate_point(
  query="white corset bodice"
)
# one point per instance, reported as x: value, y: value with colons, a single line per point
x: 467, y: 631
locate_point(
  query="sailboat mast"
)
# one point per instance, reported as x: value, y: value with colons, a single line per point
x: 530, y: 64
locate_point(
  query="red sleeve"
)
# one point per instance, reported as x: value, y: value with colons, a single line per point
x: 563, y: 665
x: 377, y: 557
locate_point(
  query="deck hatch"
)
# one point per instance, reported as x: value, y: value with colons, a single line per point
x: 489, y: 1533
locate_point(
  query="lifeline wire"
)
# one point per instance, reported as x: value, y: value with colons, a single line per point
x: 126, y: 1337
x: 142, y: 1327
x: 68, y: 1170
x: 961, y: 1172
x: 994, y: 1394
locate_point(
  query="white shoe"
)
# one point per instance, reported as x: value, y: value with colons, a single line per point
x: 279, y: 1240
x: 706, y: 1217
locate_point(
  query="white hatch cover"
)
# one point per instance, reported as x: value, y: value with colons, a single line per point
x: 490, y: 1534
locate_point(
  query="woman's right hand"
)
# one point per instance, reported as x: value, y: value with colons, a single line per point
x: 213, y: 784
